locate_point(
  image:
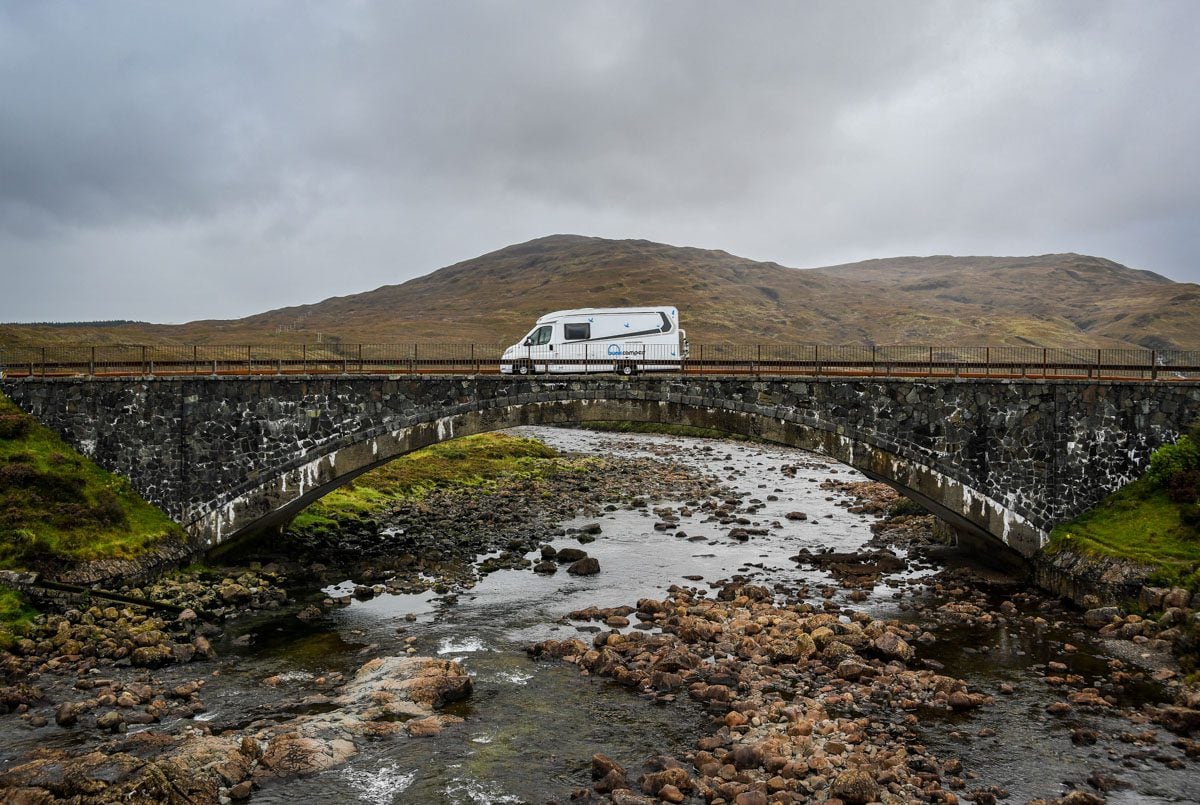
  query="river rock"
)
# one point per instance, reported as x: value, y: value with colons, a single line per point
x: 569, y: 555
x: 106, y: 777
x: 430, y: 725
x: 588, y: 566
x: 291, y: 754
x: 67, y: 714
x: 241, y: 791
x: 1179, y: 720
x: 425, y: 681
x: 669, y: 793
x: 546, y: 568
x: 603, y: 764
x: 893, y: 647
x: 152, y: 656
x: 627, y: 797
x: 1101, y: 616
x: 855, y: 787
x: 653, y: 783
x: 112, y: 721
x: 235, y: 594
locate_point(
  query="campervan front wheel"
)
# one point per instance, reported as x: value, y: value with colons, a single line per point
x: 524, y: 368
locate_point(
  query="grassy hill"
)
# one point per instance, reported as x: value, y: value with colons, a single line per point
x: 58, y: 508
x: 1051, y: 300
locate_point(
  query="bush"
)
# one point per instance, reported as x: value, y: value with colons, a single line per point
x: 108, y: 508
x: 1172, y: 459
x: 18, y: 475
x: 60, y: 486
x: 1184, y: 487
x: 1189, y: 514
x: 14, y: 426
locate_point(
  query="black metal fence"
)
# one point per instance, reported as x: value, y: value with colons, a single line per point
x: 764, y: 359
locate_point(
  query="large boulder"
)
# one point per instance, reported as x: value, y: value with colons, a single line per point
x: 292, y: 754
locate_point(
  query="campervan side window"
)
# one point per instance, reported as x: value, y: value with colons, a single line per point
x: 577, y: 332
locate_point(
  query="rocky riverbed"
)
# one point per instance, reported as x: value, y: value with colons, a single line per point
x: 687, y: 621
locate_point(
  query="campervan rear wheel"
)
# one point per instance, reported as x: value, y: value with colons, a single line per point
x: 628, y: 369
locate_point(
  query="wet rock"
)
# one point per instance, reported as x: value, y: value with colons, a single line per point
x: 603, y: 764
x: 1080, y: 798
x: 152, y: 656
x: 204, y: 647
x: 112, y: 721
x: 588, y: 566
x: 796, y: 516
x: 1101, y: 616
x: 669, y: 793
x: 653, y: 783
x: 291, y: 754
x: 746, y: 757
x: 430, y: 725
x: 309, y: 613
x: 626, y: 797
x: 546, y: 568
x: 892, y: 646
x: 235, y: 594
x: 242, y: 791
x: 569, y: 555
x: 67, y: 714
x: 1105, y: 782
x: 855, y: 787
x: 751, y: 798
x: 1179, y: 720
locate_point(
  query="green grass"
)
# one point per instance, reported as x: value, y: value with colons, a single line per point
x: 1138, y: 522
x: 56, y: 506
x: 15, y: 617
x: 472, y: 461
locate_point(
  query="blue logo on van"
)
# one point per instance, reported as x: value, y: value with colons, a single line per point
x: 613, y: 349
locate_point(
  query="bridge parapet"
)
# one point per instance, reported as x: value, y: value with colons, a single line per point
x: 1003, y: 459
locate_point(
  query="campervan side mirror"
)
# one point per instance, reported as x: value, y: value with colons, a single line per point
x: 529, y: 342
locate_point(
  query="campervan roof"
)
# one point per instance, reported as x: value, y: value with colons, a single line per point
x: 592, y: 311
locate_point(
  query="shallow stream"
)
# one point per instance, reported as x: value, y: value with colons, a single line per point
x: 532, y: 727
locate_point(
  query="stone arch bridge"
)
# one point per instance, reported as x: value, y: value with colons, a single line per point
x: 1002, y: 460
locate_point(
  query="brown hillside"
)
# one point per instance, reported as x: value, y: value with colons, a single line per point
x: 1051, y: 300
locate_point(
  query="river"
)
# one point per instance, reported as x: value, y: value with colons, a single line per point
x: 532, y: 727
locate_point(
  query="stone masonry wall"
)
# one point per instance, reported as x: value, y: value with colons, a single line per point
x: 1042, y: 451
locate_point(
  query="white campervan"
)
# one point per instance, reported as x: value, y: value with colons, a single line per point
x: 600, y: 339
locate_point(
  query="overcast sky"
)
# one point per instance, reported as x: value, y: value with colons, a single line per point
x: 176, y: 161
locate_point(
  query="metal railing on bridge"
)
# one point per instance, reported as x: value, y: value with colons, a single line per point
x: 816, y: 360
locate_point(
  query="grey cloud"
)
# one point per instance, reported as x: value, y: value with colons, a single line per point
x: 231, y: 157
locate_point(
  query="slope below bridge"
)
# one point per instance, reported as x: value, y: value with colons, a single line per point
x: 1002, y: 460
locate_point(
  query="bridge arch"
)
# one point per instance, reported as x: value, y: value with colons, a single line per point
x: 1002, y: 459
x: 275, y: 500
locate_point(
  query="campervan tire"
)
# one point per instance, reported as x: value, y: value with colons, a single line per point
x: 627, y: 369
x: 524, y: 368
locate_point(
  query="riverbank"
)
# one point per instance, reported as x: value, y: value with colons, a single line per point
x: 58, y: 509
